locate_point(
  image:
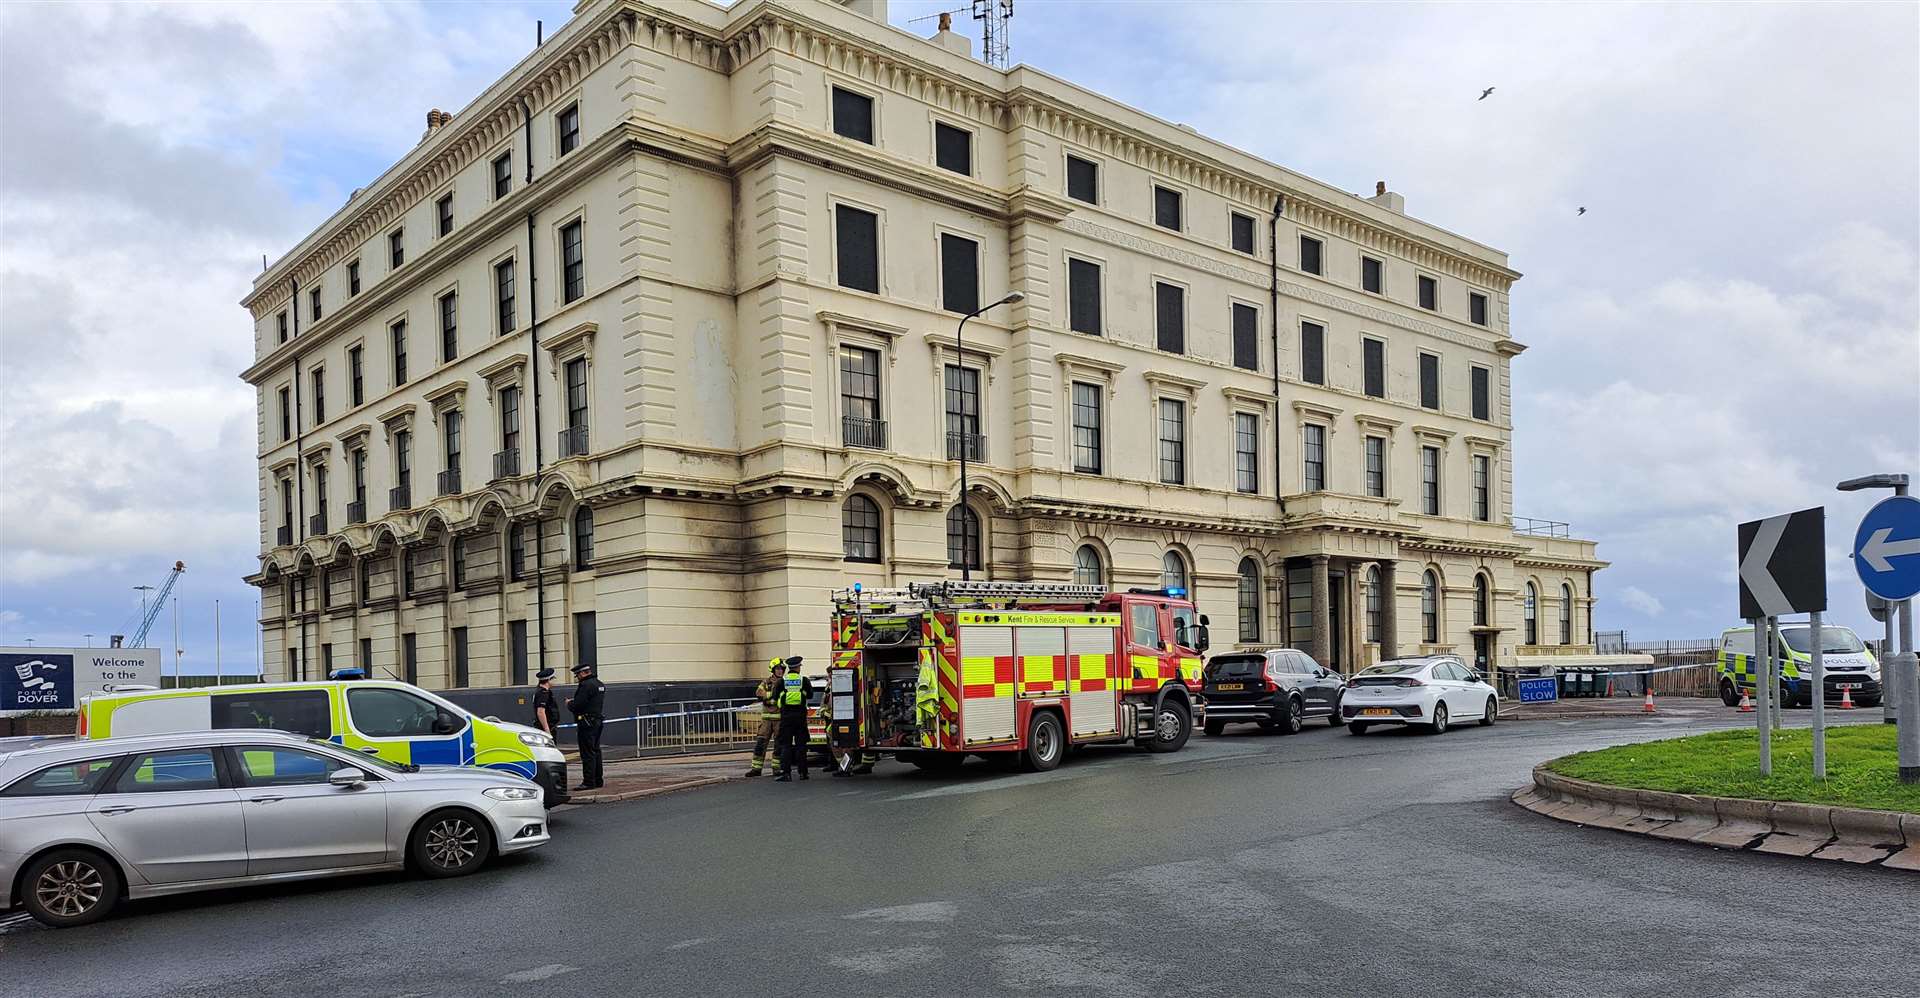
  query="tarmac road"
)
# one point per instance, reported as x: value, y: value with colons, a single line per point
x: 1316, y: 864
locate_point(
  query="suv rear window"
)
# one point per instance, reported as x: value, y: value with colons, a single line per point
x: 1235, y: 666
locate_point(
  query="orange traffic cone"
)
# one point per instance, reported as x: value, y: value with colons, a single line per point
x: 1647, y: 707
x: 1846, y: 698
x: 1746, y: 702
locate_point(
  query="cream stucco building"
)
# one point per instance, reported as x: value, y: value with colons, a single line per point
x: 652, y: 346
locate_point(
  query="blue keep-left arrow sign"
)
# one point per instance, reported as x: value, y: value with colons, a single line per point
x: 1886, y: 548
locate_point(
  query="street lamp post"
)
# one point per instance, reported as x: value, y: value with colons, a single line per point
x: 1899, y: 672
x: 960, y: 350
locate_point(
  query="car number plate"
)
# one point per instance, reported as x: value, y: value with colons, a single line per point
x: 1232, y: 686
x: 1377, y: 712
x: 1848, y: 686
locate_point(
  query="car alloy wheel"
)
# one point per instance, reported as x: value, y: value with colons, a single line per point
x: 1439, y: 718
x: 1288, y: 722
x: 1491, y: 714
x: 70, y: 888
x: 453, y: 843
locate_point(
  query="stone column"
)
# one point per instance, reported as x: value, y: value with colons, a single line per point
x: 1322, y: 611
x: 1389, y: 618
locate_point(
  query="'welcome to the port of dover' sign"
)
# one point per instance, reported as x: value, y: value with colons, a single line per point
x: 34, y: 679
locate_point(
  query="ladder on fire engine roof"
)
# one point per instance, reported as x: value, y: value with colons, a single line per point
x: 997, y: 591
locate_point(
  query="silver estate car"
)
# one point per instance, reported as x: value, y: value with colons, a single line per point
x: 86, y: 824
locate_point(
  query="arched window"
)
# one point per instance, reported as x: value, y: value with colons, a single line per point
x: 860, y: 528
x: 1566, y: 614
x: 1527, y: 614
x: 1173, y: 571
x: 1249, y: 601
x: 1482, y: 600
x: 1087, y: 569
x: 963, y: 538
x: 1373, y: 603
x: 1430, y: 607
x: 582, y: 539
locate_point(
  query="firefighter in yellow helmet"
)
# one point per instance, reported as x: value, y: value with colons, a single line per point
x: 768, y: 693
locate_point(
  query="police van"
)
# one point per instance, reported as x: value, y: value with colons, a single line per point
x: 1850, y: 668
x: 395, y: 721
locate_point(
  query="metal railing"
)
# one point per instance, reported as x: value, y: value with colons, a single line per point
x: 317, y: 523
x: 858, y: 431
x: 400, y: 497
x: 357, y: 512
x: 684, y: 727
x: 974, y: 445
x: 573, y: 441
x: 283, y: 535
x: 1540, y: 528
x: 449, y: 482
x: 506, y: 463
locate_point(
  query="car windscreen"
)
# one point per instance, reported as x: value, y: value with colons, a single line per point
x: 1833, y: 640
x: 1394, y: 669
x: 1235, y: 666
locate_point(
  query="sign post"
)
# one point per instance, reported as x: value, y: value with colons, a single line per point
x: 1782, y: 571
x: 1886, y: 556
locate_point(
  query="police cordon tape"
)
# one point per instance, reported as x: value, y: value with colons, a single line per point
x: 689, y: 713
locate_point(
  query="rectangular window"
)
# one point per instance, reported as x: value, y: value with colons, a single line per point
x: 857, y: 245
x: 517, y: 648
x: 1429, y: 293
x: 1309, y: 255
x: 963, y: 414
x: 1246, y: 337
x: 1313, y: 353
x: 286, y: 506
x: 396, y: 248
x: 586, y: 639
x: 509, y: 419
x: 403, y: 459
x: 1242, y: 226
x: 952, y: 148
x: 313, y: 298
x: 503, y: 174
x: 1430, y: 381
x: 319, y: 395
x: 516, y: 552
x: 852, y: 115
x: 1246, y: 452
x: 503, y: 295
x: 1376, y: 459
x: 1372, y: 275
x: 1173, y: 441
x: 1482, y: 488
x: 1083, y: 297
x: 359, y: 465
x: 860, y: 398
x: 1430, y: 480
x: 1314, y: 453
x: 573, y: 262
x: 1086, y: 428
x: 459, y: 656
x: 1477, y: 308
x: 576, y: 393
x: 1083, y: 180
x: 320, y: 506
x: 450, y: 430
x: 356, y: 374
x: 281, y: 321
x: 399, y: 353
x: 286, y: 415
x: 1373, y: 363
x: 366, y: 656
x: 569, y: 120
x: 353, y: 278
x: 443, y: 213
x: 1166, y: 207
x: 959, y: 274
x: 410, y: 658
x: 449, y: 327
x: 1482, y: 393
x: 1170, y: 317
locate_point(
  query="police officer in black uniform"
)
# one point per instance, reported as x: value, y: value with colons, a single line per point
x: 546, y: 707
x: 793, y: 722
x: 589, y: 705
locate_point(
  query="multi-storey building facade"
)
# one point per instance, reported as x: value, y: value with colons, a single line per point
x: 655, y: 344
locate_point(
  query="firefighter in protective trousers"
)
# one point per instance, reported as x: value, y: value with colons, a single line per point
x: 768, y: 693
x: 793, y: 721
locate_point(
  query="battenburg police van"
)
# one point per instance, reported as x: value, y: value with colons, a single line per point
x: 396, y: 721
x: 1848, y: 665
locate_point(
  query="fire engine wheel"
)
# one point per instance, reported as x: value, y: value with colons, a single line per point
x: 1172, y: 726
x: 1046, y: 743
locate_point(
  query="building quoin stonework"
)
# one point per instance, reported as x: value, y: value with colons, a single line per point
x: 653, y: 345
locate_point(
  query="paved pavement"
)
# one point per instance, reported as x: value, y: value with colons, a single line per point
x: 1384, y: 864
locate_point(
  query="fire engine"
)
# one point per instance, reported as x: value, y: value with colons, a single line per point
x: 937, y: 671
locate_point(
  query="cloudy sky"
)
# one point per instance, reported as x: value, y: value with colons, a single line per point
x: 1732, y: 327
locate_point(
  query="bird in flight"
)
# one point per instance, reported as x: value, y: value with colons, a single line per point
x: 1582, y: 211
x: 1485, y: 93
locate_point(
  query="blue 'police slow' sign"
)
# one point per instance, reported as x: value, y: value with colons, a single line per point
x: 1539, y: 689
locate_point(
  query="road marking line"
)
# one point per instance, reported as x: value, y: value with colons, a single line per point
x: 537, y: 973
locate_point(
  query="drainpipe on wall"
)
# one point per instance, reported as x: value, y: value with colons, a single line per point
x: 1273, y: 290
x: 299, y: 523
x: 533, y: 381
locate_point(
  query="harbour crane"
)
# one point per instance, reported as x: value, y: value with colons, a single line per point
x: 152, y: 612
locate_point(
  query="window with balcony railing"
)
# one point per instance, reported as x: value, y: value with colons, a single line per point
x: 317, y: 523
x: 283, y: 535
x: 400, y: 497
x: 857, y: 431
x: 506, y: 463
x: 449, y: 482
x: 357, y: 512
x: 973, y: 445
x: 573, y: 441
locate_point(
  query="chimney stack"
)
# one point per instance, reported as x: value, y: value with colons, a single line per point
x: 1388, y: 199
x: 951, y: 40
x: 436, y: 119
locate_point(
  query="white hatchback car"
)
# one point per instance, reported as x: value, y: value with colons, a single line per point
x: 1435, y: 691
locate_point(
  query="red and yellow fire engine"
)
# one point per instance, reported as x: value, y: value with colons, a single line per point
x: 937, y: 671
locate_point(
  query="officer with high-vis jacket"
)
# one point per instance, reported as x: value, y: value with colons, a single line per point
x: 793, y: 721
x: 768, y: 693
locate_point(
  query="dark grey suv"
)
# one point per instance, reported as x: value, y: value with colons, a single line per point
x: 1278, y: 689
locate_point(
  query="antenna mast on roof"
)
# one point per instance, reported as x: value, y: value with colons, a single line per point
x: 993, y: 16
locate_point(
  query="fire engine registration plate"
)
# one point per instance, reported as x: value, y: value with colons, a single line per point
x: 1233, y: 686
x: 1378, y: 712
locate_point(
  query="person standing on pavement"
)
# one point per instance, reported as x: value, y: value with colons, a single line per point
x: 589, y: 714
x: 793, y: 721
x: 768, y: 693
x: 546, y: 707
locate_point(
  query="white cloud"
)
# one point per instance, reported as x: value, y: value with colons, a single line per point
x: 1641, y: 601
